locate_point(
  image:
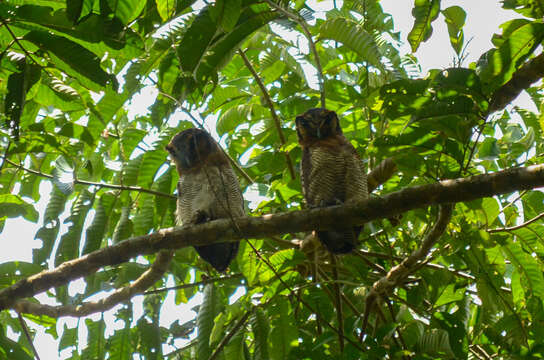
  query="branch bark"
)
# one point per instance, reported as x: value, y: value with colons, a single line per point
x: 448, y: 191
x: 530, y: 72
x: 148, y: 278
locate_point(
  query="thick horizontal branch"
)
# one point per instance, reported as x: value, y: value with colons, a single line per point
x: 448, y: 191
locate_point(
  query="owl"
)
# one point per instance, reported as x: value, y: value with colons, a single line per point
x: 331, y: 172
x: 207, y: 189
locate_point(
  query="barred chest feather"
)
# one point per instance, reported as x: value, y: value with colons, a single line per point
x: 332, y: 176
x: 213, y: 190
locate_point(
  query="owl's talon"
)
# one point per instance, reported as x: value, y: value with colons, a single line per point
x: 200, y: 217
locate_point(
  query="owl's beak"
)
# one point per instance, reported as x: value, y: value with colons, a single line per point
x: 318, y: 132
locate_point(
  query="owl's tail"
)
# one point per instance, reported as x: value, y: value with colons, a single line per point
x: 340, y: 241
x: 218, y: 255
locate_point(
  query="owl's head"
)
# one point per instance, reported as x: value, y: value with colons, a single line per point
x: 317, y: 124
x: 191, y: 148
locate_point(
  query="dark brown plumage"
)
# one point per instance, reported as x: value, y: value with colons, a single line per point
x: 208, y: 189
x: 331, y: 172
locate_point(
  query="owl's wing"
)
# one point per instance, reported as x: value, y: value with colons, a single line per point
x: 305, y: 171
x: 230, y: 192
x: 356, y: 182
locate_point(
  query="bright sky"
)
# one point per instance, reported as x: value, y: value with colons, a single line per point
x: 483, y: 19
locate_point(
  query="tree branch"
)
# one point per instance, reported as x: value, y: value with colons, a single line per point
x: 506, y: 229
x: 447, y: 191
x: 27, y: 335
x: 148, y: 278
x: 381, y: 173
x: 530, y: 72
x: 273, y: 113
x: 229, y: 336
x: 398, y: 273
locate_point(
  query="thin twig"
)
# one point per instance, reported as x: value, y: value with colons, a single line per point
x: 19, y: 43
x: 197, y: 283
x: 272, y: 109
x: 229, y: 336
x: 90, y: 183
x: 27, y: 335
x: 397, y: 329
x: 296, y: 18
x: 5, y: 156
x: 517, y: 227
x: 338, y: 299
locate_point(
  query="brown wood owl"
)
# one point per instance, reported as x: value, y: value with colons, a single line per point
x: 331, y: 172
x: 207, y: 189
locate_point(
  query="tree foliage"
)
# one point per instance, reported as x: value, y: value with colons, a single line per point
x: 70, y: 73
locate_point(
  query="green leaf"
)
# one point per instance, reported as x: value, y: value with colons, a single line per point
x: 354, y: 36
x: 261, y: 329
x: 13, y: 206
x: 205, y: 321
x: 18, y: 85
x: 222, y: 50
x: 235, y: 348
x: 455, y: 19
x: 424, y: 13
x: 497, y: 66
x: 528, y: 267
x: 63, y: 175
x: 529, y: 8
x: 123, y: 229
x: 10, y: 349
x: 435, y: 342
x: 144, y: 219
x: 126, y: 10
x: 450, y: 294
x: 96, y: 231
x: 69, y: 244
x: 168, y: 8
x: 72, y: 58
x: 226, y: 13
x: 248, y: 261
x: 489, y: 150
x: 74, y: 9
x: 197, y: 38
x: 283, y: 335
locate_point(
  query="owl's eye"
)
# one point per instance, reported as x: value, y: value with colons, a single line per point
x: 302, y: 120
